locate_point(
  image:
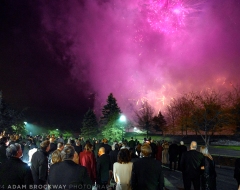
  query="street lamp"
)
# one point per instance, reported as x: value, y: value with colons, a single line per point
x: 27, y: 127
x: 122, y: 119
x: 135, y: 131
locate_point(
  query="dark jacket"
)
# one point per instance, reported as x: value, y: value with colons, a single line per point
x: 103, y: 167
x: 209, y: 175
x: 3, y: 156
x: 53, y: 147
x: 173, y: 152
x: 154, y: 149
x: 191, y: 163
x: 181, y: 150
x: 39, y: 167
x: 132, y: 144
x: 237, y: 170
x: 97, y: 146
x: 147, y: 174
x: 107, y: 147
x: 68, y: 174
x: 15, y: 172
x: 78, y: 149
x: 113, y: 157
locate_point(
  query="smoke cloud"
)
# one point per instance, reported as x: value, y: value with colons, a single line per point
x: 111, y: 46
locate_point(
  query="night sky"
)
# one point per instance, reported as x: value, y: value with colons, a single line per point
x: 54, y: 55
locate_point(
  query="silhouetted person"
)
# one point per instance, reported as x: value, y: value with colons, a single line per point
x: 147, y: 172
x: 60, y: 139
x: 14, y: 171
x: 191, y: 164
x: 173, y: 155
x: 39, y: 164
x: 181, y: 149
x: 154, y: 148
x: 208, y: 177
x: 237, y: 171
x: 132, y: 143
x: 3, y: 147
x: 103, y: 168
x: 113, y: 155
x: 68, y: 173
x: 159, y: 151
x: 106, y: 146
x: 78, y: 147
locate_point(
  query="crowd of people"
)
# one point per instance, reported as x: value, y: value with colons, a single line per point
x: 57, y: 163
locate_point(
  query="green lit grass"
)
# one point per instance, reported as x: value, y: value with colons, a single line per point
x: 140, y: 137
x: 228, y: 147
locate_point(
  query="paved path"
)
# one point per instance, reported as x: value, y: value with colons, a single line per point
x: 225, y: 180
x: 224, y: 152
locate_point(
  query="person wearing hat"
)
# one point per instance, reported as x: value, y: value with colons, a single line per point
x: 39, y: 164
x: 14, y: 172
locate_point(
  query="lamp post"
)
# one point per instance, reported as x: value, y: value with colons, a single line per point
x: 122, y: 119
x: 135, y: 131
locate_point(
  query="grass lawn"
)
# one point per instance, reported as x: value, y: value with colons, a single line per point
x: 140, y: 137
x: 229, y: 147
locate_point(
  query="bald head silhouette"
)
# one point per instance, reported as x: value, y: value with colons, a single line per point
x: 193, y: 145
x: 101, y: 151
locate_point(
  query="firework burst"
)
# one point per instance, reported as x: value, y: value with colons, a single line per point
x: 168, y: 16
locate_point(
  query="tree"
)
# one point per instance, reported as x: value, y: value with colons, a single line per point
x: 144, y: 117
x: 159, y: 122
x: 234, y: 107
x: 172, y: 115
x: 114, y: 128
x: 89, y: 124
x: 184, y: 107
x: 10, y: 119
x: 19, y: 128
x: 54, y: 132
x: 209, y: 114
x: 109, y: 110
x: 109, y: 122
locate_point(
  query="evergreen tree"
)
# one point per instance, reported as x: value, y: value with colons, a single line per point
x: 114, y: 128
x: 110, y: 110
x: 10, y: 119
x: 110, y: 125
x: 159, y: 122
x: 89, y: 124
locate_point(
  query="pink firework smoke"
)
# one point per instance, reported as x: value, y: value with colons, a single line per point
x: 124, y: 47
